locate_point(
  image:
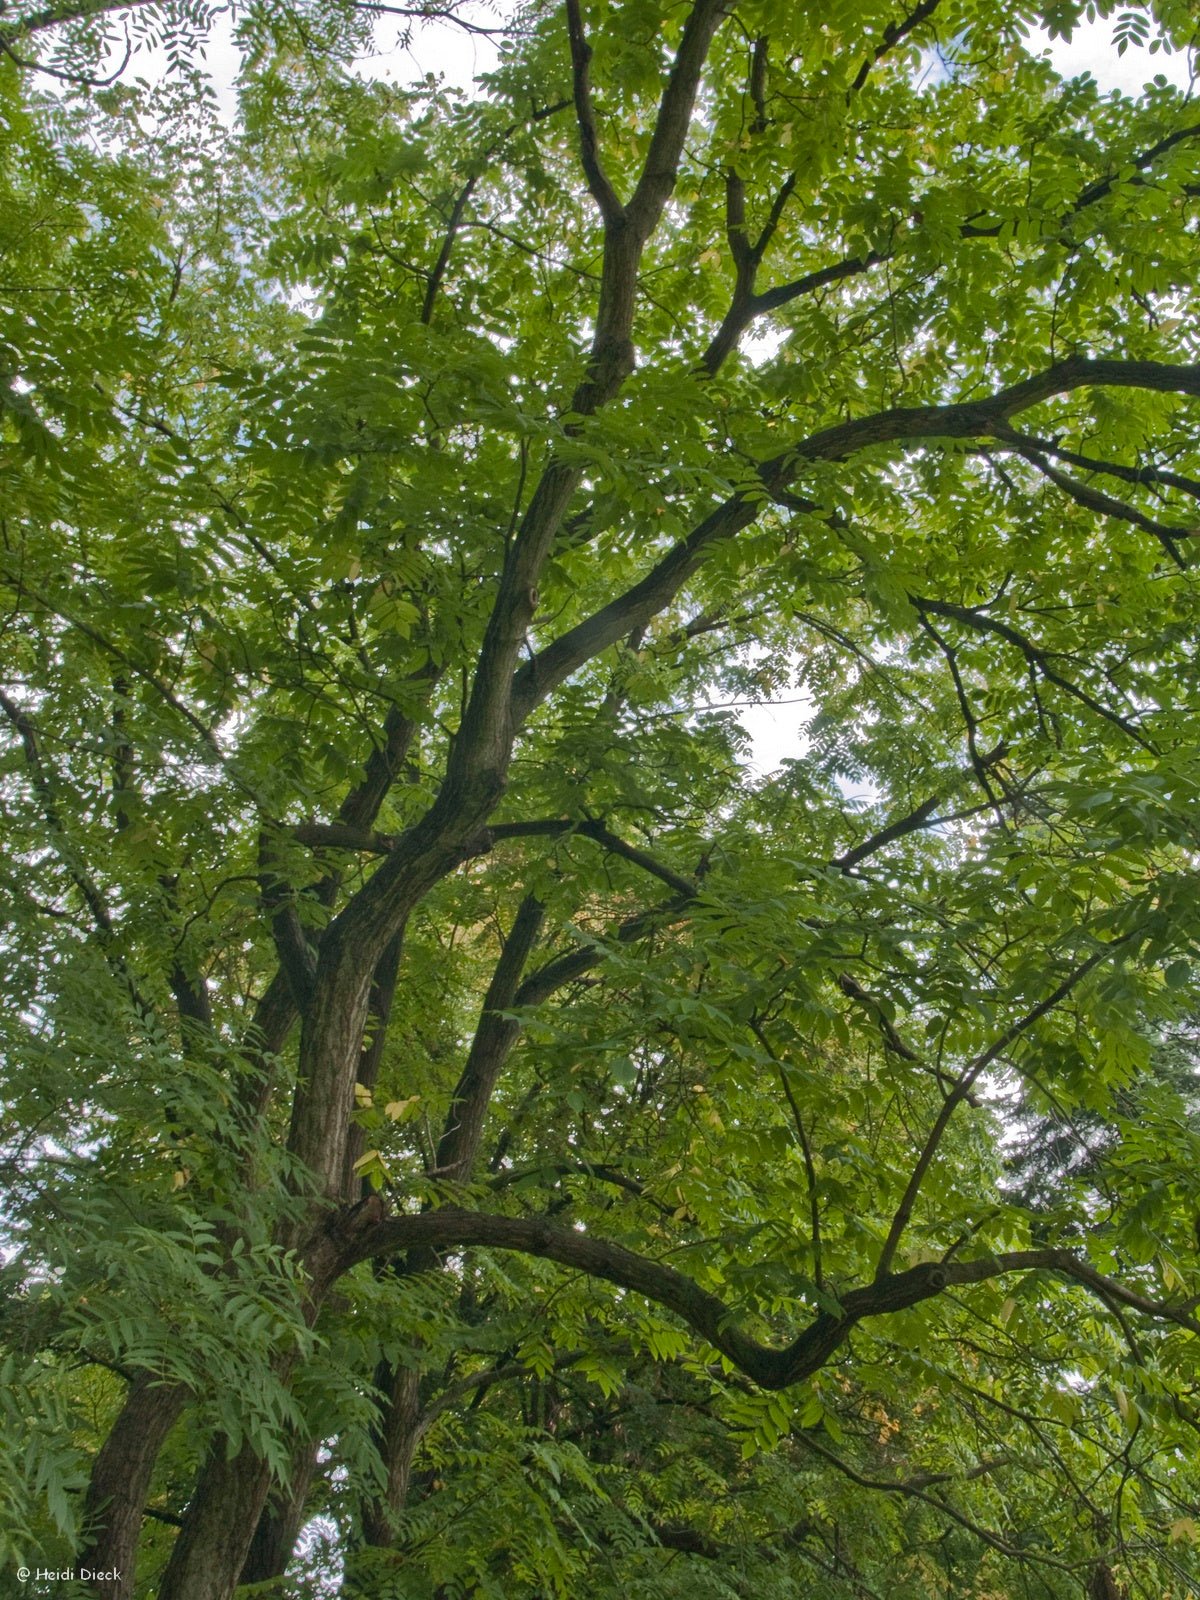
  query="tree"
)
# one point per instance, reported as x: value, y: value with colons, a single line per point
x: 458, y: 1109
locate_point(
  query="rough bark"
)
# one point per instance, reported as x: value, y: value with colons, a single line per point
x: 281, y: 1520
x: 219, y: 1527
x: 120, y: 1482
x: 211, y: 1549
x: 283, y: 1515
x: 399, y: 1436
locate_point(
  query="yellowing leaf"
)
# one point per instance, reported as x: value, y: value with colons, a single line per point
x: 396, y: 1109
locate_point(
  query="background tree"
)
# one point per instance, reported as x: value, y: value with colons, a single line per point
x: 462, y: 1118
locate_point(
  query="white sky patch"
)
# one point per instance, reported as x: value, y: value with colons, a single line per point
x: 404, y: 52
x: 1091, y: 49
x: 434, y: 49
x: 777, y: 730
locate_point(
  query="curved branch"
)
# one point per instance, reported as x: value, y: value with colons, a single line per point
x: 772, y: 1367
x: 1092, y: 499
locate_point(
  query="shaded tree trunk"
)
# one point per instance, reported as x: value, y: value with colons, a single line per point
x: 399, y: 1436
x: 120, y: 1482
x: 281, y: 1520
x: 283, y: 1515
x: 223, y: 1516
x: 211, y: 1550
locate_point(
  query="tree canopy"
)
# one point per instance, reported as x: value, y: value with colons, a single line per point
x: 470, y: 1130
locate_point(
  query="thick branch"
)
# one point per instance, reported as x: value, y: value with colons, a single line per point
x: 494, y: 1038
x: 705, y: 1313
x: 903, y: 425
x: 674, y: 117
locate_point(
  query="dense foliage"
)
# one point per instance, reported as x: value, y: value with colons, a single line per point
x: 470, y: 1131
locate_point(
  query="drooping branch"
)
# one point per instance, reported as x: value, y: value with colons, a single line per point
x: 433, y: 12
x: 1105, y: 505
x: 1146, y: 476
x: 591, y: 828
x: 769, y: 1366
x: 212, y: 750
x: 25, y: 728
x: 62, y: 15
x: 981, y: 621
x: 914, y: 821
x: 918, y: 1487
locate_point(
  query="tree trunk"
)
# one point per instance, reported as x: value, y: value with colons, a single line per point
x: 282, y: 1518
x: 120, y: 1482
x: 218, y: 1531
x: 400, y: 1435
x: 211, y: 1550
